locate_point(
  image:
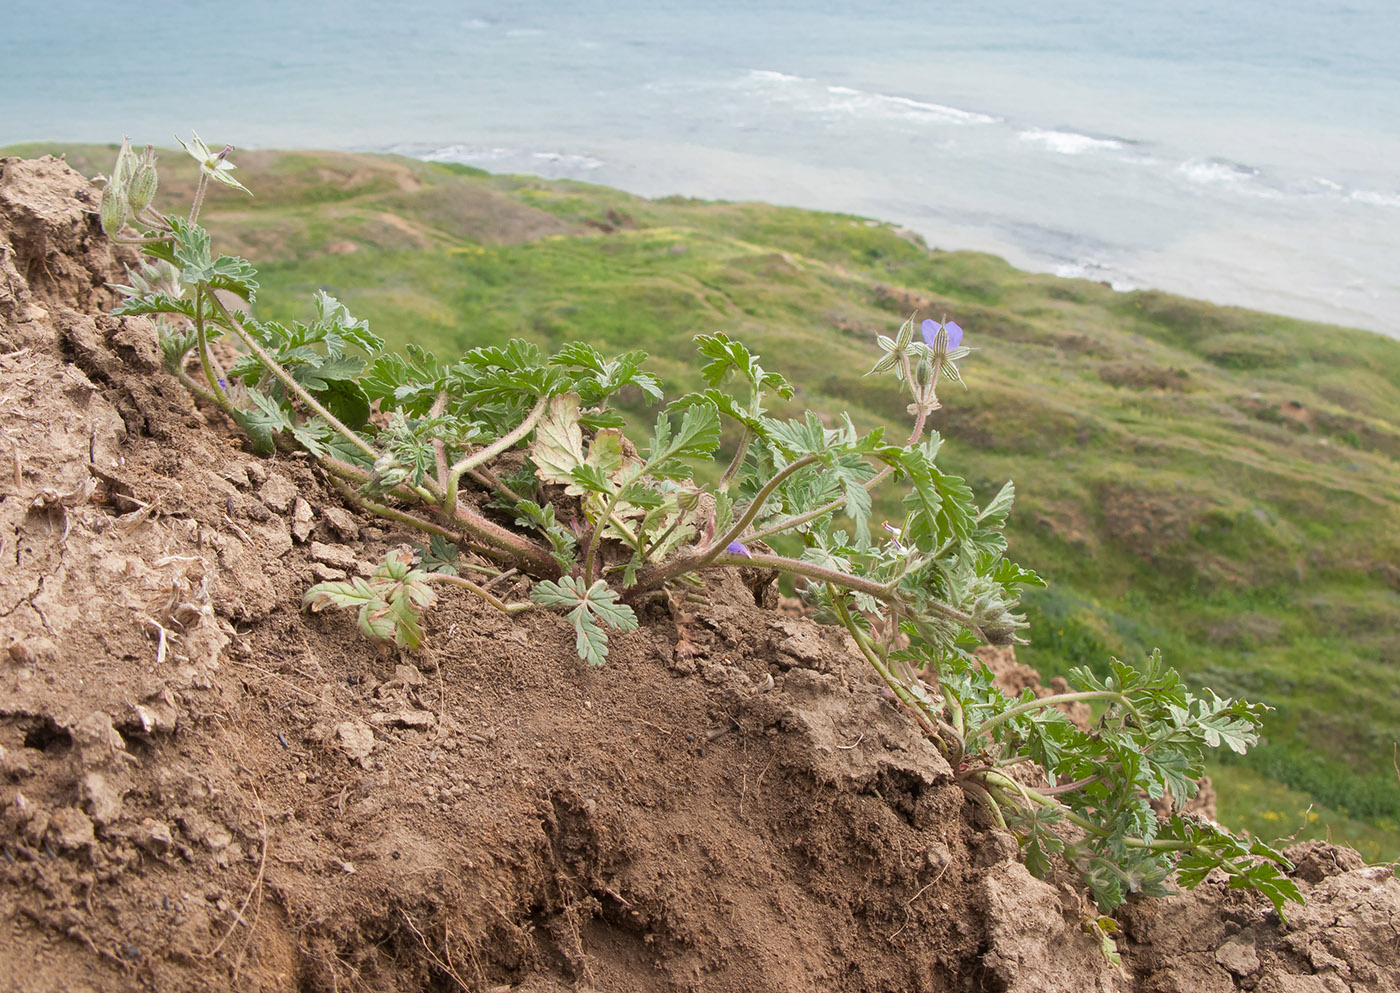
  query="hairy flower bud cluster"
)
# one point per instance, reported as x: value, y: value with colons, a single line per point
x: 129, y: 190
x: 995, y: 619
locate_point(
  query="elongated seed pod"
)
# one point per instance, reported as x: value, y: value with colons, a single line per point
x: 143, y: 187
x: 112, y: 209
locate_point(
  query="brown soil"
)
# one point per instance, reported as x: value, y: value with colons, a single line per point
x: 203, y: 788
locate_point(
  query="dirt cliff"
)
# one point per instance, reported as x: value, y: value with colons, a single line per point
x: 203, y: 788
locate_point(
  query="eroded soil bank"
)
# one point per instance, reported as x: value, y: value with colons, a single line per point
x: 203, y: 788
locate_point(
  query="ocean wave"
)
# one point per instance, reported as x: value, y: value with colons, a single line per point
x: 777, y: 77
x: 1224, y: 174
x: 811, y: 96
x: 904, y: 107
x: 1098, y: 272
x: 504, y: 158
x: 1208, y: 171
x: 1072, y: 142
x: 464, y: 154
x: 569, y: 160
x: 1375, y: 199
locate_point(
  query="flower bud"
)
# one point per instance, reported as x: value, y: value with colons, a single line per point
x: 906, y: 334
x: 143, y: 183
x: 112, y: 208
x: 124, y: 167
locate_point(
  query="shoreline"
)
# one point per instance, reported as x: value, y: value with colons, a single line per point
x: 1275, y: 301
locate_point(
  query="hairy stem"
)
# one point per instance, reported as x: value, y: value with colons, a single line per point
x: 199, y: 196
x: 944, y: 737
x: 788, y: 523
x: 295, y: 388
x: 144, y: 240
x: 484, y: 593
x: 502, y: 444
x: 205, y: 360
x: 603, y: 520
x: 1050, y: 701
x: 488, y: 480
x: 219, y: 399
x: 737, y: 462
x: 662, y: 574
x: 984, y: 799
x: 390, y: 514
x: 1040, y: 798
x: 533, y: 558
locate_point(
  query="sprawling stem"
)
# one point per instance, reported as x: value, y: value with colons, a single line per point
x: 484, y: 593
x: 736, y: 530
x: 144, y: 240
x: 295, y: 388
x: 205, y: 359
x: 660, y: 575
x: 1050, y: 701
x: 788, y: 523
x: 218, y: 399
x: 389, y: 513
x: 984, y: 798
x: 199, y: 196
x: 944, y: 737
x: 502, y: 444
x: 737, y: 462
x: 1035, y: 796
x: 603, y: 520
x: 489, y: 481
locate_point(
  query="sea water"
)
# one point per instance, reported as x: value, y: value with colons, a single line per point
x: 1244, y: 152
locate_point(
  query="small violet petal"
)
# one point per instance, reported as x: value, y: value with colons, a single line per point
x: 737, y: 548
x: 929, y: 328
x: 954, y: 334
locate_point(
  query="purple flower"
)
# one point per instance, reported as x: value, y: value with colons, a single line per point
x: 930, y: 330
x: 737, y: 548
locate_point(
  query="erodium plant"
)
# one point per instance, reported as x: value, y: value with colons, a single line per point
x: 518, y: 469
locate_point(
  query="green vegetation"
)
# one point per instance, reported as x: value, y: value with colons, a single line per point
x: 1219, y: 483
x: 417, y: 441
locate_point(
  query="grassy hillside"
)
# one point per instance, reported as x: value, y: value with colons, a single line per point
x: 1219, y: 483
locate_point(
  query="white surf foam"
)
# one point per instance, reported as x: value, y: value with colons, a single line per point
x: 1071, y: 142
x: 811, y: 96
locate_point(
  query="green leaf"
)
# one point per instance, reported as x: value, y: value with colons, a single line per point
x: 589, y: 606
x: 563, y: 542
x: 725, y: 404
x: 157, y: 303
x: 558, y: 446
x: 190, y: 249
x: 730, y: 358
x: 440, y: 556
x: 409, y: 382
x: 389, y: 602
x: 697, y: 437
x: 605, y: 377
x: 263, y: 422
x: 994, y: 514
x: 353, y: 593
x: 347, y: 402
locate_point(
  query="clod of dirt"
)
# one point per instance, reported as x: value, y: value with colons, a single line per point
x: 203, y: 788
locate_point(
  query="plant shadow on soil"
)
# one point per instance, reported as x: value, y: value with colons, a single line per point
x: 201, y: 787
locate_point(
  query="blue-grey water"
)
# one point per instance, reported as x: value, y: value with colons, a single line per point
x: 1245, y: 152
